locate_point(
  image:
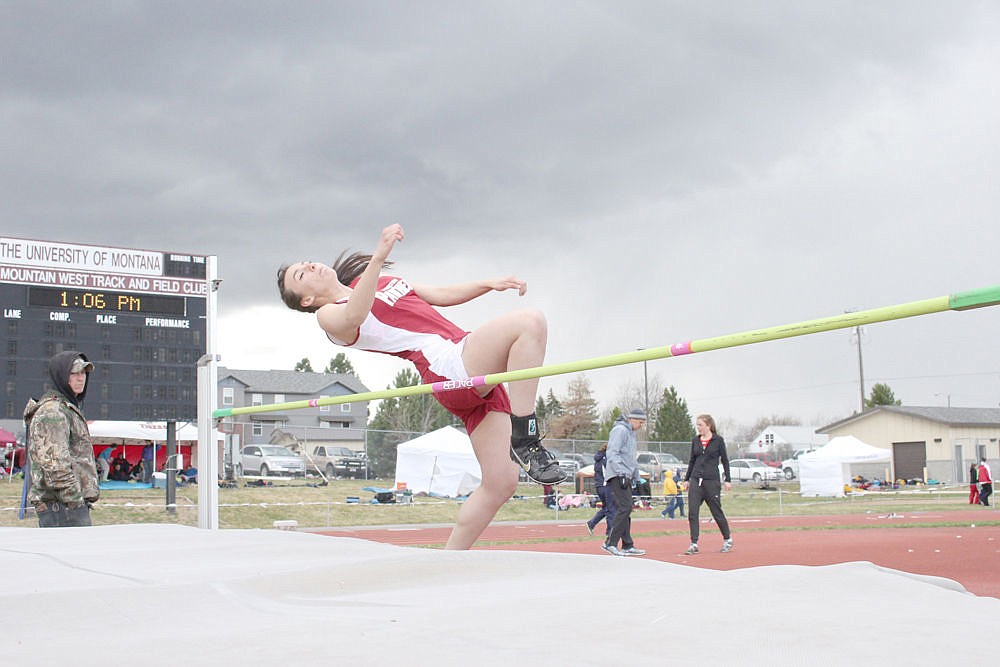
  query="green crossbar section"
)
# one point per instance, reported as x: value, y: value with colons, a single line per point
x: 979, y: 298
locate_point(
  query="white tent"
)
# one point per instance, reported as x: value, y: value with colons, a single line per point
x: 826, y: 471
x: 137, y: 433
x: 439, y: 463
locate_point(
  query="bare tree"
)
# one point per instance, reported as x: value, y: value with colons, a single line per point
x: 633, y: 394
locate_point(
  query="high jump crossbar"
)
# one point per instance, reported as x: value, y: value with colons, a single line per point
x: 979, y: 298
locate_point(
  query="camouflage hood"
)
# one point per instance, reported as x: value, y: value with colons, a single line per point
x: 59, y: 369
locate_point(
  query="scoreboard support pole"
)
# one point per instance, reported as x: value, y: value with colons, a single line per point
x: 208, y: 389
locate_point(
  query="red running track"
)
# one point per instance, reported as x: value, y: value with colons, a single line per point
x: 968, y: 553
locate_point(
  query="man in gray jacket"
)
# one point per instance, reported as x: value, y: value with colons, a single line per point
x: 622, y: 470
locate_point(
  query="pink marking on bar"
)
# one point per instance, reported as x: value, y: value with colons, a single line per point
x: 313, y: 402
x: 451, y: 385
x: 677, y: 349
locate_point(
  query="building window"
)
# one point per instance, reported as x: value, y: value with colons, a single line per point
x: 324, y: 408
x: 227, y: 395
x: 258, y: 428
x: 279, y: 398
x: 345, y: 407
x: 257, y: 399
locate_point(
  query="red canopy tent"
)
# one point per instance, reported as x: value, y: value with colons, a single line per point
x: 133, y: 436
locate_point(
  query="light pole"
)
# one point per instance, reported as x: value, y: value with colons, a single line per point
x: 645, y: 392
x: 861, y: 369
x: 645, y: 384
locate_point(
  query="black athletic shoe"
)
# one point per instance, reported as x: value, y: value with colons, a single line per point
x: 536, y: 461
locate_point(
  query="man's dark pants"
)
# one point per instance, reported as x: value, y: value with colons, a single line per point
x: 621, y: 525
x: 58, y: 515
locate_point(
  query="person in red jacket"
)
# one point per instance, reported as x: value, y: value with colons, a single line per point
x: 985, y: 482
x: 973, y: 484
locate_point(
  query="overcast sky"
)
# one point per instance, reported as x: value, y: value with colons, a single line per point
x: 657, y: 172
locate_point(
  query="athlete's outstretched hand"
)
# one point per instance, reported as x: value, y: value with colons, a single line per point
x: 386, y: 240
x: 510, y: 282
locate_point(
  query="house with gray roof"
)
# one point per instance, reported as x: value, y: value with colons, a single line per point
x: 937, y: 443
x: 342, y: 424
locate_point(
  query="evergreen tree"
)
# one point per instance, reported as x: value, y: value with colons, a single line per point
x: 605, y: 427
x: 546, y: 409
x: 340, y: 364
x: 881, y: 395
x: 540, y: 413
x: 579, y: 417
x: 673, y: 421
x: 553, y: 408
x: 304, y: 366
x: 400, y: 419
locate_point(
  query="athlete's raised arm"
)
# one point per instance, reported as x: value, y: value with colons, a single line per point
x: 452, y: 295
x: 343, y: 320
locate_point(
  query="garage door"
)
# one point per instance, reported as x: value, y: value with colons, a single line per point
x: 909, y: 459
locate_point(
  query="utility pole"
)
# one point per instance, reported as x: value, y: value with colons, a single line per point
x: 861, y: 368
x: 645, y: 382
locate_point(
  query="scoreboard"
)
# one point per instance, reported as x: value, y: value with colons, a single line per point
x: 139, y: 316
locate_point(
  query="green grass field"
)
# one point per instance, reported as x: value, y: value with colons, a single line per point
x: 314, y: 506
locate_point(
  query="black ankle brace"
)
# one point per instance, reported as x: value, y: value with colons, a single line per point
x: 524, y: 427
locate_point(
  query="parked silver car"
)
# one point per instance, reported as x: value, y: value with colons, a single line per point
x: 265, y: 460
x: 657, y: 464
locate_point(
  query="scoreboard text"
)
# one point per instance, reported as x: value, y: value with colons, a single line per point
x: 138, y: 315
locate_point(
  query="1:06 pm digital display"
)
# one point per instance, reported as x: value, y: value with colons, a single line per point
x: 114, y: 302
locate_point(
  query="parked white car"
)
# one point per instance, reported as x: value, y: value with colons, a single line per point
x: 790, y: 467
x: 752, y: 470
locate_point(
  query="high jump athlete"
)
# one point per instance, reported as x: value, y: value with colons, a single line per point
x: 359, y: 308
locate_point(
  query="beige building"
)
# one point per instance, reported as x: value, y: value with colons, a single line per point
x: 932, y: 442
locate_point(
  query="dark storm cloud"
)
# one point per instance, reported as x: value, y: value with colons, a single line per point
x: 513, y: 137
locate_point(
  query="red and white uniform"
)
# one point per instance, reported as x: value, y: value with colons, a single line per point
x: 404, y: 325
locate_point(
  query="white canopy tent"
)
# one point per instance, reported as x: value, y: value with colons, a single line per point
x: 439, y: 463
x: 138, y: 433
x: 825, y: 471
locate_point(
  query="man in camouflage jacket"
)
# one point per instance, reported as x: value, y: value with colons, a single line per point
x: 63, y: 475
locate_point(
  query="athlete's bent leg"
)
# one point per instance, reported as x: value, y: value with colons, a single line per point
x: 490, y: 442
x: 510, y: 342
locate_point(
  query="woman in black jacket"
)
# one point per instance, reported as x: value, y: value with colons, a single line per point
x: 708, y: 451
x: 607, y: 511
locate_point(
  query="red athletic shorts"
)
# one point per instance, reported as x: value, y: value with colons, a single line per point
x: 469, y: 406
